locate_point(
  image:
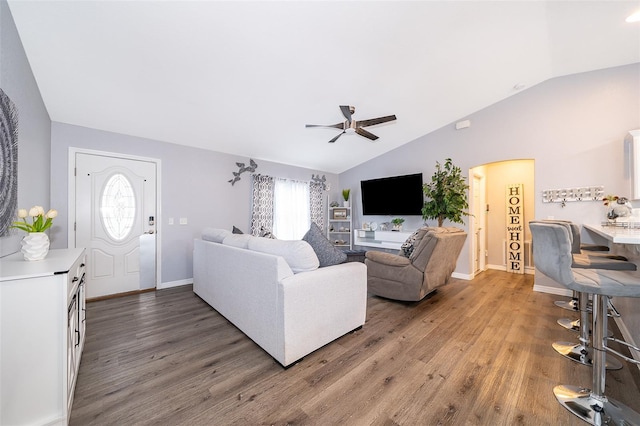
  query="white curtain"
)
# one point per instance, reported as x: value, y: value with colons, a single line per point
x: 291, y: 209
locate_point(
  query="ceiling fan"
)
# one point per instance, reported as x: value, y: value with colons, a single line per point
x: 353, y: 126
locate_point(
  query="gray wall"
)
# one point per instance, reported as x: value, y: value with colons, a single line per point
x: 194, y: 184
x: 34, y: 125
x: 573, y: 127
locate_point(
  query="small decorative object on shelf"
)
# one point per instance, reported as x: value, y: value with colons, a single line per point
x: 397, y: 224
x: 617, y: 207
x: 345, y: 195
x: 35, y: 245
x: 334, y: 204
x: 339, y: 227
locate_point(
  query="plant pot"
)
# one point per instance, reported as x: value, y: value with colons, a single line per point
x: 345, y: 204
x: 35, y: 246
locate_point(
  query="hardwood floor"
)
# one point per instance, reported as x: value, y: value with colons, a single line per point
x: 476, y: 353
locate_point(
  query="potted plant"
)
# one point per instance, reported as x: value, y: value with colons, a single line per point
x: 397, y: 223
x: 345, y: 195
x: 447, y: 194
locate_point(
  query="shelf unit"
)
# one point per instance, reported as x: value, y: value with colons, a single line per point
x: 340, y: 227
x: 381, y: 239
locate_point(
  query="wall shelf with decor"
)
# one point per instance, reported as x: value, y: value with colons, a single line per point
x: 340, y: 227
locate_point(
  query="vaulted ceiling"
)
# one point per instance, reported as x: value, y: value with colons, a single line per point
x: 244, y: 77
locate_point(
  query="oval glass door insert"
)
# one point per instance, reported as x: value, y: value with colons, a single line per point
x: 118, y: 207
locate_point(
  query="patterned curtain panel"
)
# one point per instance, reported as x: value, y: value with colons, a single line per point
x: 316, y: 201
x: 262, y: 204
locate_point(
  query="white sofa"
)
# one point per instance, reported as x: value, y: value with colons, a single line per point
x: 251, y: 282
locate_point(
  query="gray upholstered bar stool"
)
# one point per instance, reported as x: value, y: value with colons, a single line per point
x: 552, y: 256
x: 581, y: 351
x: 588, y: 256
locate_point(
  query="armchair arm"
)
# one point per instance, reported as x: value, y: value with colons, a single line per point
x: 387, y: 258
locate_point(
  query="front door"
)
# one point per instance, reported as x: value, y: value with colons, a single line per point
x: 115, y: 211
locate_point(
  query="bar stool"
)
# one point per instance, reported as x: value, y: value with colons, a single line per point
x: 581, y: 352
x: 552, y: 256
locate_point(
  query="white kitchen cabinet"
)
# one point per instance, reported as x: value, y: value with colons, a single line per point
x: 42, y: 324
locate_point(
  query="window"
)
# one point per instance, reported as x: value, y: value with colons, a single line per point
x: 291, y: 218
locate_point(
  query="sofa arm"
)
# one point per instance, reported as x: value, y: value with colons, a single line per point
x: 387, y: 258
x: 320, y: 306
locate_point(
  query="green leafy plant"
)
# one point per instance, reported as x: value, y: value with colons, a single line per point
x: 397, y: 221
x: 345, y: 194
x: 447, y: 194
x: 40, y: 221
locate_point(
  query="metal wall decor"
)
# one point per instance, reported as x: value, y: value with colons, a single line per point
x: 563, y: 196
x: 9, y: 162
x: 241, y: 169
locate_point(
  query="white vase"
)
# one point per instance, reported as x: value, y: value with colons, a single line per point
x: 35, y: 246
x: 345, y: 204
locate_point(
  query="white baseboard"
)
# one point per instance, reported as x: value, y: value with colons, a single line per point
x: 467, y: 277
x: 527, y: 269
x: 177, y: 283
x: 552, y: 290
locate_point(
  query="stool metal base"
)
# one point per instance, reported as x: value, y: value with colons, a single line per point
x: 571, y: 305
x: 595, y: 411
x: 573, y: 325
x: 582, y: 354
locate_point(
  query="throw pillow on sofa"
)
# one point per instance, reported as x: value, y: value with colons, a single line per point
x: 297, y: 253
x: 327, y: 254
x: 236, y: 230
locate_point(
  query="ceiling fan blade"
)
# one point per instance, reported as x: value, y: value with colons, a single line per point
x: 363, y: 132
x: 346, y: 111
x: 374, y: 121
x: 335, y: 126
x: 336, y: 138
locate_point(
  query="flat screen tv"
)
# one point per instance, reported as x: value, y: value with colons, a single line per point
x: 396, y: 195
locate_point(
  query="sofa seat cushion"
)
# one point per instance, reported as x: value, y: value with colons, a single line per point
x: 327, y: 253
x: 215, y: 235
x: 297, y: 253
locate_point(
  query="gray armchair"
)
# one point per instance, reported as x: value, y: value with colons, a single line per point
x: 429, y: 266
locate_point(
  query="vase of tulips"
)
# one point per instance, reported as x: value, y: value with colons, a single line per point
x: 35, y: 245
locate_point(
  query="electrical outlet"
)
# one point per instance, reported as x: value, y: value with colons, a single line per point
x: 183, y: 221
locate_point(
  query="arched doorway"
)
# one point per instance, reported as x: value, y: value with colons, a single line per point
x: 487, y: 189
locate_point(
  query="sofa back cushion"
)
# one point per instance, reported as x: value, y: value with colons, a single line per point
x: 443, y: 242
x: 215, y: 235
x: 297, y: 253
x: 237, y: 240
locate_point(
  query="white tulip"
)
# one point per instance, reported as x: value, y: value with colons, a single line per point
x: 33, y: 212
x: 40, y: 210
x: 51, y: 214
x: 22, y: 213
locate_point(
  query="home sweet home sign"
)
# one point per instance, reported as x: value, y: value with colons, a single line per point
x: 515, y: 229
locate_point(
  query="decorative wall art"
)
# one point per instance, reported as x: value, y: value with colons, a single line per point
x: 515, y: 229
x: 9, y: 163
x: 241, y: 169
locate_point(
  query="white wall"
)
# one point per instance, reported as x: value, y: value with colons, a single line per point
x: 34, y: 125
x: 194, y: 185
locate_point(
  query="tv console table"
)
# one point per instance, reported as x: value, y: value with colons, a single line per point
x: 380, y: 239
